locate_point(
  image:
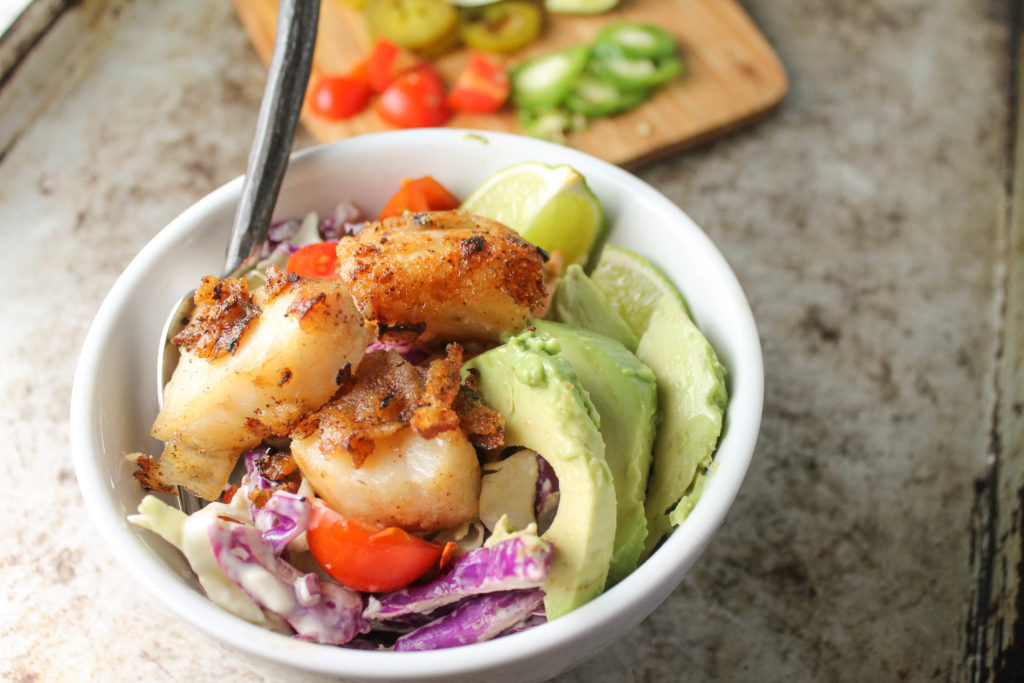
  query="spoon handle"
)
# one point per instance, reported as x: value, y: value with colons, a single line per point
x: 279, y: 113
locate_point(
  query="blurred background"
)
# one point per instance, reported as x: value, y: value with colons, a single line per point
x: 872, y: 214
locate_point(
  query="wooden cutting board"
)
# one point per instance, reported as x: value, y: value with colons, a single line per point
x: 732, y: 76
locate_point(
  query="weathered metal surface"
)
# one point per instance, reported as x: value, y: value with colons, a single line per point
x: 996, y: 645
x: 867, y: 221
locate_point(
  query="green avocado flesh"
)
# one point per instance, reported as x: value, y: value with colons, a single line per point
x: 692, y: 398
x: 546, y: 409
x: 625, y: 394
x: 579, y: 303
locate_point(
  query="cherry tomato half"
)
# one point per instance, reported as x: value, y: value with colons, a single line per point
x: 319, y: 260
x: 416, y: 99
x: 422, y: 194
x: 482, y: 87
x: 366, y: 558
x: 339, y: 97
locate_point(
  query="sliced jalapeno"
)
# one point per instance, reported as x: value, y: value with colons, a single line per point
x: 594, y: 97
x: 545, y: 80
x: 579, y: 6
x: 550, y: 123
x: 430, y: 27
x: 638, y: 73
x: 502, y: 27
x: 633, y: 39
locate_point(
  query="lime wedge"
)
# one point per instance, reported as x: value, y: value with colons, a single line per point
x: 550, y: 206
x: 632, y: 286
x: 580, y: 6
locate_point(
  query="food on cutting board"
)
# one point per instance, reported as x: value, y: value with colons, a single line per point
x: 415, y: 99
x: 554, y: 94
x: 483, y: 87
x: 500, y: 27
x: 339, y: 96
x: 431, y: 459
x: 429, y: 27
x: 557, y: 92
x: 580, y: 6
x: 568, y: 6
x: 433, y: 27
x: 412, y: 93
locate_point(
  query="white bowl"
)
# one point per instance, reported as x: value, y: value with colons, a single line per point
x: 115, y: 396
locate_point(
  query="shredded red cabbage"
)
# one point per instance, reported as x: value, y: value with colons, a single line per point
x: 344, y: 219
x: 476, y: 620
x: 516, y: 563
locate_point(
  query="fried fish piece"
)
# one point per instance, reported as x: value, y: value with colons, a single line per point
x: 250, y: 368
x: 407, y: 481
x: 392, y: 448
x: 444, y: 275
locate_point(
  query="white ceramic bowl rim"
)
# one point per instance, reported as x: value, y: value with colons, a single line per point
x: 657, y: 576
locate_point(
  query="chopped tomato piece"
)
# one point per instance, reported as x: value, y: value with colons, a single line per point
x: 422, y: 194
x: 365, y: 558
x: 318, y: 260
x: 339, y: 97
x: 482, y: 88
x: 229, y: 494
x: 416, y: 99
x: 447, y: 554
x: 386, y: 62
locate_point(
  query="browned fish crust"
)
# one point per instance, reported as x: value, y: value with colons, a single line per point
x: 443, y: 275
x: 379, y: 403
x: 224, y: 309
x: 147, y: 473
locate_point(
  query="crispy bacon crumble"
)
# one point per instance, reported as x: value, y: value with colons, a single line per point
x: 389, y: 393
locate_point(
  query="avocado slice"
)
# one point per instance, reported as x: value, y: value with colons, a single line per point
x: 692, y: 397
x: 579, y: 303
x: 624, y: 391
x: 546, y: 409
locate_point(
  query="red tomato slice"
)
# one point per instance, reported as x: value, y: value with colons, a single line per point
x: 319, y: 260
x: 339, y: 97
x: 422, y: 194
x: 386, y: 62
x: 482, y: 88
x: 229, y: 494
x: 365, y: 558
x: 416, y: 99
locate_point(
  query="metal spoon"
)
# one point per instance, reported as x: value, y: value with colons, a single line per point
x: 279, y: 114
